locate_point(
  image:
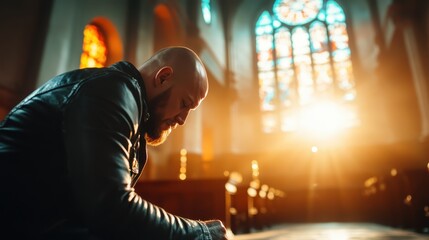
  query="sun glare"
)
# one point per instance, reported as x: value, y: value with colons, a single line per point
x: 324, y: 119
x: 314, y: 149
x: 338, y: 235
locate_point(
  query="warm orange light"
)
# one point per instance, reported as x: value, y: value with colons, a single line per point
x: 270, y: 195
x: 370, y: 182
x: 393, y: 172
x: 183, y: 161
x: 255, y: 169
x: 252, y: 192
x: 262, y: 194
x: 182, y: 176
x: 235, y: 178
x: 231, y: 188
x: 94, y: 50
x: 255, y: 184
x: 408, y: 200
x: 233, y: 211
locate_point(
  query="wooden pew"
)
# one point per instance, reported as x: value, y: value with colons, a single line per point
x: 199, y: 199
x: 239, y: 210
x: 400, y: 199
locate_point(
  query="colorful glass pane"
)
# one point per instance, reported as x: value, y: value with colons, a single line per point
x: 206, y: 10
x: 283, y: 48
x: 305, y: 83
x: 324, y: 79
x: 265, y: 62
x: 320, y: 54
x: 283, y: 43
x: 287, y: 93
x: 319, y: 43
x: 334, y: 12
x: 345, y: 83
x: 294, y: 12
x: 265, y: 59
x: 264, y: 19
x: 264, y: 43
x: 94, y: 49
x: 300, y: 41
x: 302, y: 61
x: 285, y: 62
x: 320, y: 58
x: 267, y: 91
x: 265, y: 52
x: 322, y: 15
x: 339, y: 37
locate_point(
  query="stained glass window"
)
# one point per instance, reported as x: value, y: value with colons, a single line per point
x: 94, y: 49
x: 207, y: 11
x: 304, y: 66
x: 295, y: 12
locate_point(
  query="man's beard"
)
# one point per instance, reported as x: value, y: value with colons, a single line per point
x: 159, y: 139
x: 154, y: 135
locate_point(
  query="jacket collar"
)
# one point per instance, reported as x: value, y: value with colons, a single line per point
x: 131, y: 70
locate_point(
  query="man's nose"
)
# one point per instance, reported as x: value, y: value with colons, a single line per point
x: 181, y: 118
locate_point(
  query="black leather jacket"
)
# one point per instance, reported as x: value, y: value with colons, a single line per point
x: 71, y: 153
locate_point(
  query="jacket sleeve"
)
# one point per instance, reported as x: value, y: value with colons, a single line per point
x: 98, y: 124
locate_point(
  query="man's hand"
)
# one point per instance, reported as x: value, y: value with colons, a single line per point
x: 217, y: 230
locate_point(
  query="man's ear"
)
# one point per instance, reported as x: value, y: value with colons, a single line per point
x: 163, y: 76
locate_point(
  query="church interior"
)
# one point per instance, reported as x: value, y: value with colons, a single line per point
x: 317, y: 111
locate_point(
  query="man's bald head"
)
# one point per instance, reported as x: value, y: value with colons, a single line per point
x: 187, y: 67
x: 176, y: 83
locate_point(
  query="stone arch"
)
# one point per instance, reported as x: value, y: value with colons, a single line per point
x: 166, y: 27
x: 113, y: 40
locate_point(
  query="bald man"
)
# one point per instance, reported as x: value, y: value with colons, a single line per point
x: 72, y: 151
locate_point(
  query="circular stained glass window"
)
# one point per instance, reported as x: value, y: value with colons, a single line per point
x: 294, y: 12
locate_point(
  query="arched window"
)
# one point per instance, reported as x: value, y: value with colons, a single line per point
x: 206, y: 10
x: 304, y: 67
x: 94, y: 49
